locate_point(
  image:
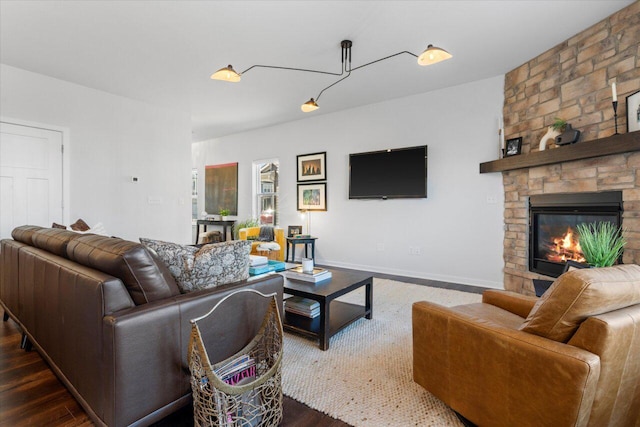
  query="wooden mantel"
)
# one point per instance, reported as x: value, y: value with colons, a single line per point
x: 616, y: 144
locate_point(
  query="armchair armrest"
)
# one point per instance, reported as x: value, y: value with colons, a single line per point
x: 494, y: 375
x: 511, y: 301
x: 279, y: 236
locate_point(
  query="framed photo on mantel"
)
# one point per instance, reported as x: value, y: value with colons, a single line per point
x: 513, y: 147
x: 633, y: 112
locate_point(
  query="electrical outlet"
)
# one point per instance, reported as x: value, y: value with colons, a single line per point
x: 414, y: 250
x: 380, y: 247
x: 492, y: 200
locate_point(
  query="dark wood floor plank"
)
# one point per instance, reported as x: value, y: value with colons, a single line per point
x: 30, y: 393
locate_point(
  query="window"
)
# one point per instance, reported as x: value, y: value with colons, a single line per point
x: 266, y: 191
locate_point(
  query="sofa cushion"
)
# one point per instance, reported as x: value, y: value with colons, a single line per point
x: 54, y: 240
x: 204, y: 267
x: 145, y: 279
x: 25, y: 233
x: 579, y: 294
x: 79, y: 225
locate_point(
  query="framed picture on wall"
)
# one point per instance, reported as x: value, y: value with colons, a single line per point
x: 312, y: 167
x: 312, y: 197
x: 513, y: 147
x: 633, y: 112
x: 221, y: 188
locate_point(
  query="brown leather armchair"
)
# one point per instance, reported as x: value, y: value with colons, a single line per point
x: 569, y: 358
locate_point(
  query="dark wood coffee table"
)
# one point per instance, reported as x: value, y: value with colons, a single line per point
x: 334, y: 315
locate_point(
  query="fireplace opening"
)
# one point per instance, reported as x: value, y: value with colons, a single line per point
x: 553, y: 221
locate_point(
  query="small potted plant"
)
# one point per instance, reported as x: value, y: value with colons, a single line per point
x: 601, y: 243
x: 566, y: 133
x: 554, y: 130
x: 223, y: 214
x: 247, y: 223
x: 559, y: 124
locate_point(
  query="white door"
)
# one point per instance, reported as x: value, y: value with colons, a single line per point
x: 30, y: 177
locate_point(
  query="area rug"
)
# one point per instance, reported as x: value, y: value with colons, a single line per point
x: 365, y: 378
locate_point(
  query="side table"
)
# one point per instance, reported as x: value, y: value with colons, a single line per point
x: 306, y: 241
x: 223, y: 224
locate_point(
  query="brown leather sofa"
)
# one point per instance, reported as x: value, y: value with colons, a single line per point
x: 111, y: 322
x: 569, y: 358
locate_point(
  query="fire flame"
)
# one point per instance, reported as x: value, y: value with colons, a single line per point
x: 565, y: 248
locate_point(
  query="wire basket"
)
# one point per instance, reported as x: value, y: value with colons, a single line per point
x: 252, y: 396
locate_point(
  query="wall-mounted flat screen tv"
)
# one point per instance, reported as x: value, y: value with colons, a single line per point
x: 389, y: 174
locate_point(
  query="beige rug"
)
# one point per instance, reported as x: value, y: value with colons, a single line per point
x: 365, y: 378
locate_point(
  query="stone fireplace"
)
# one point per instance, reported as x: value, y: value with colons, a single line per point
x: 619, y: 172
x: 572, y: 81
x: 553, y: 221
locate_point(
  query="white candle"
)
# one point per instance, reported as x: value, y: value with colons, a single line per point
x: 501, y: 132
x: 614, y: 93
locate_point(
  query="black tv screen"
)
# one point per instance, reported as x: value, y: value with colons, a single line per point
x: 389, y: 174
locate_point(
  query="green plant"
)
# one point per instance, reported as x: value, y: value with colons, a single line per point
x: 224, y: 212
x: 251, y: 222
x: 559, y: 124
x: 601, y: 243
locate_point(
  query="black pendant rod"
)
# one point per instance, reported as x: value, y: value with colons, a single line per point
x: 346, y: 56
x: 346, y: 65
x: 346, y: 52
x: 382, y: 59
x: 292, y: 69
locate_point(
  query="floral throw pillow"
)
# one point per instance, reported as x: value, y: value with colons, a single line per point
x: 205, y: 267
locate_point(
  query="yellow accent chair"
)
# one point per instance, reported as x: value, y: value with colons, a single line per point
x: 254, y: 232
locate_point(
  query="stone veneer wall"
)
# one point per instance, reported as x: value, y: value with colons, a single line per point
x: 572, y: 81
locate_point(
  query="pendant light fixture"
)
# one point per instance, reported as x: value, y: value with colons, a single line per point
x: 309, y: 106
x: 227, y: 74
x: 431, y: 55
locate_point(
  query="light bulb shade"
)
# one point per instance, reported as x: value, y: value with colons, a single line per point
x: 309, y: 106
x: 227, y: 74
x: 433, y: 55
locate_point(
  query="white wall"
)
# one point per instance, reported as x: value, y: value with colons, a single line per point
x: 111, y: 138
x: 458, y: 232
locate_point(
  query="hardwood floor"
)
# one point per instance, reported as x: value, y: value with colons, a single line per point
x: 31, y: 395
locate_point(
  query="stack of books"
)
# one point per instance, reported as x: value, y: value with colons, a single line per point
x: 302, y: 306
x: 315, y: 276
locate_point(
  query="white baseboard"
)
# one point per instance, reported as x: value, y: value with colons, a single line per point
x: 416, y: 274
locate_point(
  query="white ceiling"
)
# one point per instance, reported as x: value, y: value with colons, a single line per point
x: 163, y: 52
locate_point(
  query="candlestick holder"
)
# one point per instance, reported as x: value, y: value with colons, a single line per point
x: 615, y: 116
